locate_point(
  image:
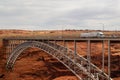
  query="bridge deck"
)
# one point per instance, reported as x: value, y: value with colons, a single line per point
x: 65, y: 39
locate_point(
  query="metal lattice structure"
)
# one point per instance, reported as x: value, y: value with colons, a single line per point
x: 80, y: 66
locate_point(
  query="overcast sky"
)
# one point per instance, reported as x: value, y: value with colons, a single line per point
x: 60, y: 14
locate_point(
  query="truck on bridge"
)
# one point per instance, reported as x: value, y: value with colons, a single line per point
x: 92, y: 34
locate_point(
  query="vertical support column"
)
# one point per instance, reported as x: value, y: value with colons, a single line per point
x: 64, y: 43
x: 9, y: 47
x: 55, y: 43
x: 75, y: 53
x: 103, y: 59
x: 66, y: 46
x: 12, y: 45
x: 109, y: 56
x: 88, y: 55
x: 75, y: 48
x: 6, y: 47
x: 16, y: 43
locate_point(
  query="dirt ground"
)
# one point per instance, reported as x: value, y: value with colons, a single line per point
x: 35, y: 64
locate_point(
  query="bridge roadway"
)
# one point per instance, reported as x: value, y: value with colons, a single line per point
x: 65, y: 39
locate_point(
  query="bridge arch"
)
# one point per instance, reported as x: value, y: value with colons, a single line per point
x: 78, y: 68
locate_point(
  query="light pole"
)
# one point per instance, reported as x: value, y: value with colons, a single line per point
x: 62, y: 31
x: 102, y: 26
x: 103, y: 50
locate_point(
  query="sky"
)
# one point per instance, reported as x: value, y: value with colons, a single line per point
x: 60, y: 14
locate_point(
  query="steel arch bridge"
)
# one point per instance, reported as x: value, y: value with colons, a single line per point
x: 80, y: 66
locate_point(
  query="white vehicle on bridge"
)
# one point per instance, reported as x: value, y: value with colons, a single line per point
x: 92, y: 34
